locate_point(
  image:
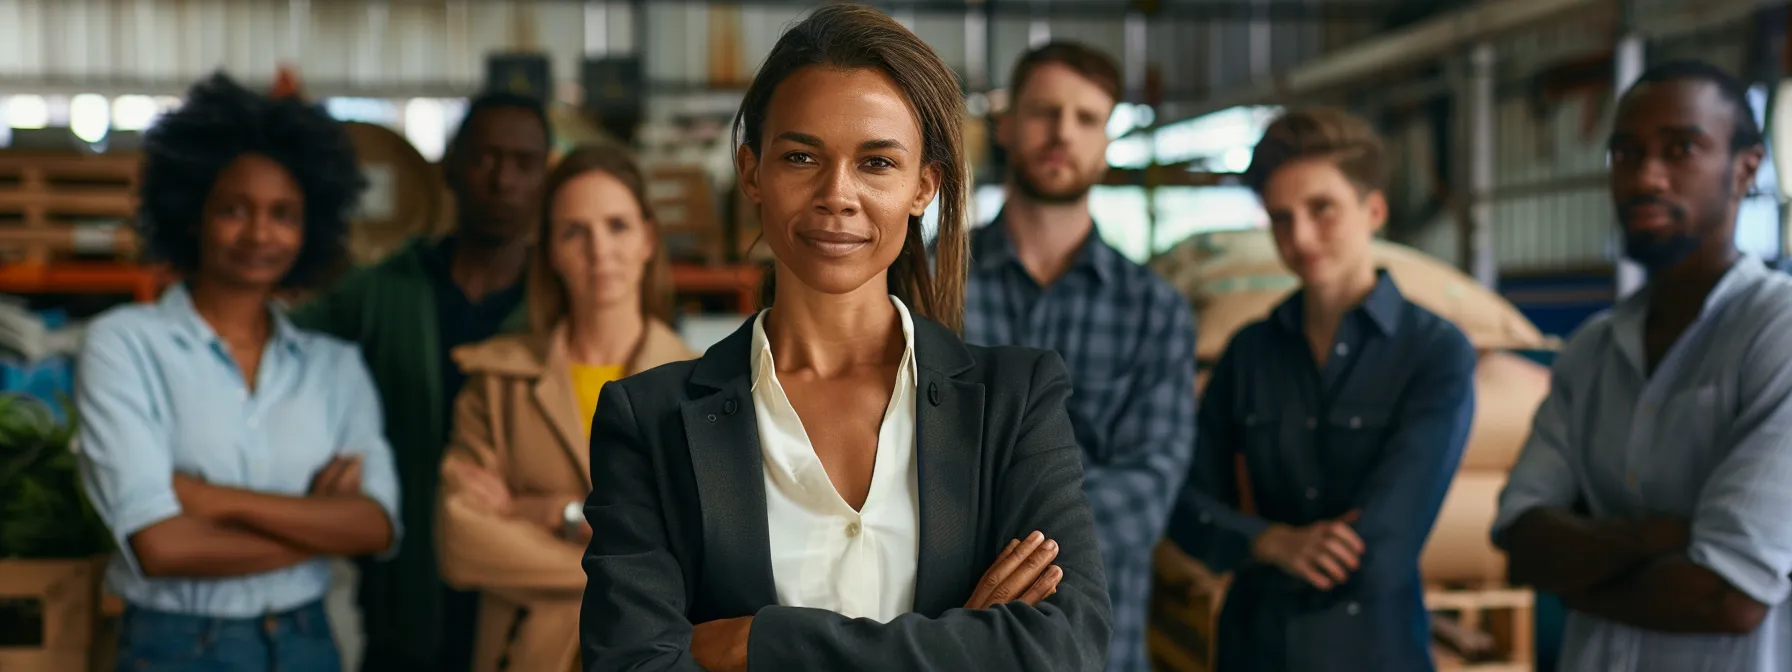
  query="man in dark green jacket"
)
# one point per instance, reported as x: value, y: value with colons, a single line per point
x: 407, y: 312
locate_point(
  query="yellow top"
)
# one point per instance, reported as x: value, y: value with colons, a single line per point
x: 588, y: 382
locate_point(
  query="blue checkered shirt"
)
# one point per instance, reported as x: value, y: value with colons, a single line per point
x: 1129, y: 341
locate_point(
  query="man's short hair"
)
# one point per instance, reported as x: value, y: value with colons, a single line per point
x: 1746, y: 132
x: 1082, y: 59
x: 501, y: 100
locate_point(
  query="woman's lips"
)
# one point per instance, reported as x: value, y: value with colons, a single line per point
x: 833, y: 243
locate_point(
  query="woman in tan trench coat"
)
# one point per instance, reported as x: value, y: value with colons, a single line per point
x: 516, y: 471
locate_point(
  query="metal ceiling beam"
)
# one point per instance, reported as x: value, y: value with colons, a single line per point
x: 1281, y: 11
x: 1423, y: 41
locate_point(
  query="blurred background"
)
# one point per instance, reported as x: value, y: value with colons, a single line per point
x: 1496, y: 113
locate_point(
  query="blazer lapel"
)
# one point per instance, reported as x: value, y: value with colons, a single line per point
x: 555, y: 397
x: 948, y: 444
x: 722, y: 434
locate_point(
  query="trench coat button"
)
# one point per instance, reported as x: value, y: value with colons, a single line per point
x: 933, y: 394
x: 728, y: 407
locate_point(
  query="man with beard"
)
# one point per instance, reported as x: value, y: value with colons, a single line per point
x: 408, y: 312
x: 1042, y: 277
x: 1652, y: 494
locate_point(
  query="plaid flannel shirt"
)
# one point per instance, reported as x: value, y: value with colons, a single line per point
x: 1128, y: 339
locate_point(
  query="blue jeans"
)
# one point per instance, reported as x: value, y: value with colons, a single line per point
x: 292, y: 641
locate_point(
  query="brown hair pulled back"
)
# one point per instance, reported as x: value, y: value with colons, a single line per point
x: 855, y: 37
x: 547, y: 291
x: 1320, y: 133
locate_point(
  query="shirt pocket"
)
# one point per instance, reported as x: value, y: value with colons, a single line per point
x: 1095, y: 406
x: 1354, y: 440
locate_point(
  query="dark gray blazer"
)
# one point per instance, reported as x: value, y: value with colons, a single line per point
x: 678, y: 509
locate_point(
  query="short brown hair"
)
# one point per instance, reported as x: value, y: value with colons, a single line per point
x: 1345, y: 139
x: 850, y: 36
x: 547, y: 292
x: 1084, y: 60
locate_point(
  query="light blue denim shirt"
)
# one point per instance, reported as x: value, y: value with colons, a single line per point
x: 1707, y: 438
x: 158, y: 393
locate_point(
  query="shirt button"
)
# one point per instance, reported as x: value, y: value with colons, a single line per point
x: 1312, y: 422
x: 1312, y: 493
x: 1352, y: 608
x: 253, y: 424
x: 852, y: 529
x: 1342, y: 349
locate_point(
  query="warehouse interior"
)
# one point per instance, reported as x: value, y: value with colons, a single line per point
x: 1496, y: 113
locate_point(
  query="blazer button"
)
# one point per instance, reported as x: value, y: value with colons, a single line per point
x: 933, y: 394
x: 712, y: 417
x: 728, y: 407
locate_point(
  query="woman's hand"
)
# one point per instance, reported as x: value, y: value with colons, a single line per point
x: 478, y: 485
x: 340, y: 478
x: 1322, y: 554
x: 721, y: 646
x: 1022, y: 572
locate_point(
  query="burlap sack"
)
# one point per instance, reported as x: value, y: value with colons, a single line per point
x: 1232, y: 278
x: 1460, y: 548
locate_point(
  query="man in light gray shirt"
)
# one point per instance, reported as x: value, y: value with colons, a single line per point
x: 1655, y: 493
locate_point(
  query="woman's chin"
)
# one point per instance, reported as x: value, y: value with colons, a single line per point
x: 835, y: 279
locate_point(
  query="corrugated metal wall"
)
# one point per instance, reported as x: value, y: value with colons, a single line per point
x: 437, y: 47
x: 1552, y: 209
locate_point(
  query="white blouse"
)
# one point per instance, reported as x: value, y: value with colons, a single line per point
x: 825, y: 555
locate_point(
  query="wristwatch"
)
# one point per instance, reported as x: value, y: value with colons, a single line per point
x: 571, y: 518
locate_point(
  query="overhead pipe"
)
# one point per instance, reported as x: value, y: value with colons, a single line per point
x: 1431, y: 38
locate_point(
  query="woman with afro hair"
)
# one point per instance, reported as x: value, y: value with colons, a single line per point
x: 231, y: 453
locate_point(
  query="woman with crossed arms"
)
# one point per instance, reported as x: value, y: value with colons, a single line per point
x: 515, y: 476
x: 1349, y: 406
x: 843, y: 484
x: 231, y: 453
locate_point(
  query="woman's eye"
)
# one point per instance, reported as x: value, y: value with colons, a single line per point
x: 798, y: 157
x: 880, y: 163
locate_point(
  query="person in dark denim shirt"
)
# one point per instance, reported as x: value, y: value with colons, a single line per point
x: 1349, y: 407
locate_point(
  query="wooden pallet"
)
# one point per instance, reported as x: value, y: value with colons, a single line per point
x: 1483, y: 629
x: 1185, y: 608
x: 684, y: 204
x: 68, y: 592
x: 58, y: 204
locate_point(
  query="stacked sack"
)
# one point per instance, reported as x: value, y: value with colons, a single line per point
x: 1233, y: 278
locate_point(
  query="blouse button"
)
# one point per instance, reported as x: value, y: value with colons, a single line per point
x: 852, y: 529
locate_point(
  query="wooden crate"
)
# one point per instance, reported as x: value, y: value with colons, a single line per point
x: 68, y: 591
x: 1484, y: 629
x: 1185, y: 608
x: 684, y: 204
x: 56, y: 204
